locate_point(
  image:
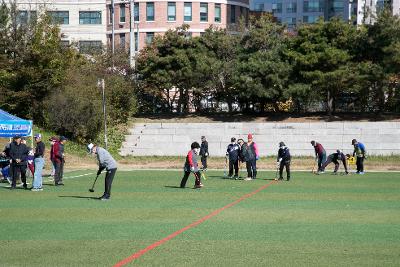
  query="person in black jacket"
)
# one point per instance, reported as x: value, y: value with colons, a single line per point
x: 18, y: 154
x: 335, y: 157
x: 283, y: 160
x: 233, y: 153
x: 204, y: 152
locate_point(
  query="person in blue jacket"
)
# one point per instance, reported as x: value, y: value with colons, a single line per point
x: 360, y: 152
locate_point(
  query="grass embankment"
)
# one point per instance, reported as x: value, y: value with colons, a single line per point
x: 310, y: 221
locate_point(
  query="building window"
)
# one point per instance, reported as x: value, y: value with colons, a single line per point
x: 259, y: 7
x: 59, y: 17
x: 110, y: 11
x: 313, y: 6
x: 203, y: 12
x: 149, y: 37
x: 310, y: 19
x: 64, y: 43
x: 277, y: 8
x: 291, y: 7
x: 122, y: 18
x: 136, y: 12
x: 337, y: 6
x: 150, y: 11
x: 291, y: 22
x: 233, y: 14
x: 171, y: 11
x: 22, y: 17
x: 187, y: 11
x: 89, y: 17
x: 90, y: 47
x: 136, y: 41
x: 217, y: 13
x: 122, y: 40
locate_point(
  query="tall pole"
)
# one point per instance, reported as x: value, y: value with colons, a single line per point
x: 112, y: 30
x: 132, y: 35
x: 102, y: 85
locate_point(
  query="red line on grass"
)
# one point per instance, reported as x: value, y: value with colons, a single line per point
x: 160, y: 242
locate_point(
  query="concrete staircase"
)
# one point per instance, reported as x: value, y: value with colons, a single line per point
x: 174, y: 139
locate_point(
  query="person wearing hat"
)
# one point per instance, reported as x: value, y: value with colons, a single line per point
x: 360, y: 152
x: 233, y: 154
x: 192, y: 166
x: 38, y: 163
x: 320, y: 154
x: 250, y: 155
x: 18, y: 154
x: 204, y: 152
x: 335, y: 157
x: 283, y: 160
x: 106, y: 161
x: 59, y: 159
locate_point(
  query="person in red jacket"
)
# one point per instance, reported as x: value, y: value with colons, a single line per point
x: 320, y: 155
x: 191, y: 165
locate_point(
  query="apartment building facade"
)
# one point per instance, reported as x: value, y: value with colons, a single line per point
x: 81, y: 22
x: 153, y: 18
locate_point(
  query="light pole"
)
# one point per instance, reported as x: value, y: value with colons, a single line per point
x: 132, y: 34
x: 101, y: 84
x: 113, y: 26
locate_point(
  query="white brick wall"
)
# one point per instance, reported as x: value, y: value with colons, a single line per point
x: 172, y: 139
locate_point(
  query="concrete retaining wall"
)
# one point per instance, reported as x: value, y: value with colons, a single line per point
x: 172, y: 139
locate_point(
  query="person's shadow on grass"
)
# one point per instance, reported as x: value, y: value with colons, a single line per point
x: 82, y: 197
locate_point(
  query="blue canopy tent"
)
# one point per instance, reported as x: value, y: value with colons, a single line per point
x: 11, y: 125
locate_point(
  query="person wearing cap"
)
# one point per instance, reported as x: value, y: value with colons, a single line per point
x: 283, y: 160
x: 192, y: 166
x: 233, y: 154
x: 360, y: 152
x: 250, y: 155
x: 320, y: 154
x: 59, y: 158
x: 18, y: 154
x: 38, y: 163
x: 335, y: 157
x: 105, y: 161
x: 204, y: 152
x: 5, y: 163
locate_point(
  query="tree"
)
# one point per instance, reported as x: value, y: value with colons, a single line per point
x: 322, y: 59
x: 263, y: 71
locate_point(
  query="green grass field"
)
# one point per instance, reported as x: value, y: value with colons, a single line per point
x: 310, y: 221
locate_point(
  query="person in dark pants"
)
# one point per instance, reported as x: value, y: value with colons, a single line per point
x: 192, y: 166
x: 283, y: 160
x: 204, y: 152
x: 320, y: 154
x: 106, y: 161
x: 52, y: 140
x: 233, y: 153
x: 250, y: 155
x: 335, y: 157
x: 59, y: 158
x: 18, y: 154
x: 360, y: 152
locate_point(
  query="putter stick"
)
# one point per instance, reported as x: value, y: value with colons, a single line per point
x: 313, y: 168
x: 276, y: 174
x: 92, y: 189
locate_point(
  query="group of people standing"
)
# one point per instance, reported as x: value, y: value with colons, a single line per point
x: 17, y: 158
x: 239, y: 151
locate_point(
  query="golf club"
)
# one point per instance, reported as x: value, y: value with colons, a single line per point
x: 276, y: 174
x: 225, y: 166
x: 92, y: 189
x: 315, y: 163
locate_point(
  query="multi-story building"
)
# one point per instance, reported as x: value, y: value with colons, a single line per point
x: 156, y: 17
x: 367, y: 9
x: 294, y: 12
x: 81, y: 22
x: 89, y: 22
